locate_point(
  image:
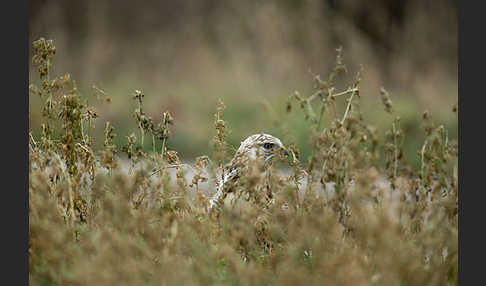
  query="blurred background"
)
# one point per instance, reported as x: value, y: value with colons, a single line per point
x: 185, y: 55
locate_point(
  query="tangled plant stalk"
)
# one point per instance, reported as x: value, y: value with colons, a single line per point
x: 354, y: 213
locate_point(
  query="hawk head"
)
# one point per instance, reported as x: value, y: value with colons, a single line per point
x: 261, y: 146
x: 258, y: 148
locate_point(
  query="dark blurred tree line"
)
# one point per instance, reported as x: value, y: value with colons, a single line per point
x: 429, y: 27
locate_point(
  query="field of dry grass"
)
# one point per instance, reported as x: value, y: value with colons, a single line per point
x: 354, y: 213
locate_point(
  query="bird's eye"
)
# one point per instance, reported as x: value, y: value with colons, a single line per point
x: 268, y: 145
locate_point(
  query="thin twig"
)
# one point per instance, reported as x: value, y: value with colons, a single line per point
x: 349, y: 90
x: 422, y: 152
x: 348, y: 107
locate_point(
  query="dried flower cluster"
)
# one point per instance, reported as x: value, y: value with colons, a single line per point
x: 355, y: 213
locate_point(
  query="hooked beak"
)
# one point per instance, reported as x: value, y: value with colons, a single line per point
x: 278, y: 153
x: 285, y: 151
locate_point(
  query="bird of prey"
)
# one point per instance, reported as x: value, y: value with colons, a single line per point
x: 259, y: 149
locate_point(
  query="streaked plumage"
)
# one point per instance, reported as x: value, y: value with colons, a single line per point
x: 259, y: 148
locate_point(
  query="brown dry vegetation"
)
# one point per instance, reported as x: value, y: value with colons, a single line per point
x: 383, y: 223
x: 185, y: 55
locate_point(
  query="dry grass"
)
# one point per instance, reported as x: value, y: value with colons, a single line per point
x: 381, y: 223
